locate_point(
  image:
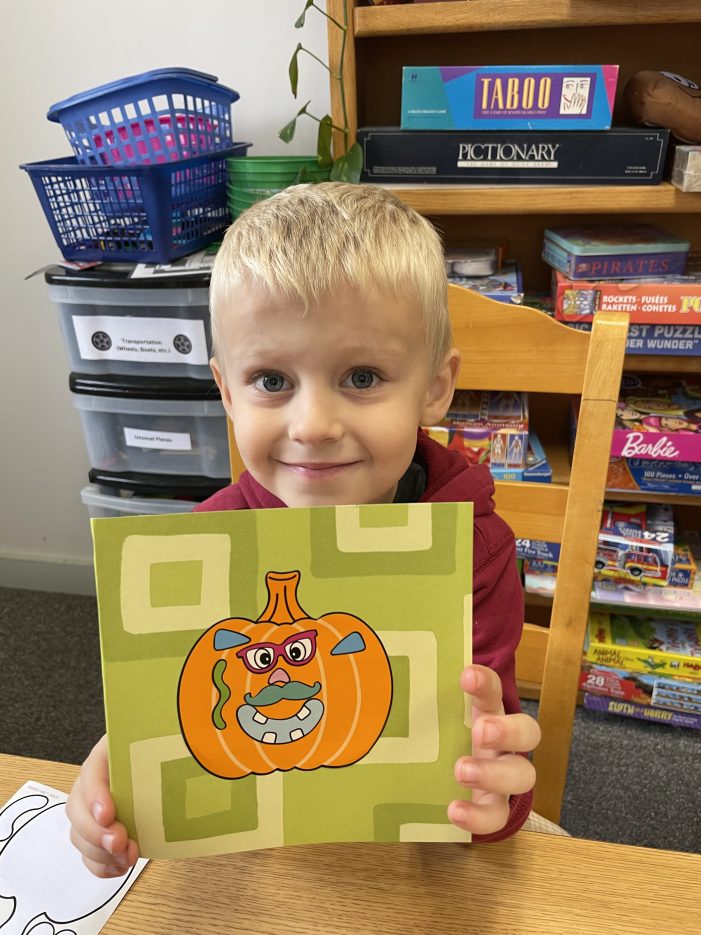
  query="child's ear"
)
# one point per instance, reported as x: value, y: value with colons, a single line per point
x: 221, y: 383
x: 441, y: 389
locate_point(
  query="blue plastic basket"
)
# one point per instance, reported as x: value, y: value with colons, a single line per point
x: 155, y: 117
x: 144, y: 214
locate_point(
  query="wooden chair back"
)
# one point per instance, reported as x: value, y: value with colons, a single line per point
x: 507, y: 347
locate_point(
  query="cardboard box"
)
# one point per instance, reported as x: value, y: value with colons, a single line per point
x: 621, y: 156
x: 658, y: 418
x: 659, y: 301
x: 686, y: 168
x: 487, y: 427
x: 635, y: 543
x: 505, y: 285
x: 641, y: 688
x: 537, y: 469
x: 677, y: 340
x: 519, y: 97
x: 645, y: 644
x: 642, y: 712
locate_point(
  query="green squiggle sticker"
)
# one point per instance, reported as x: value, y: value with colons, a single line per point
x: 224, y: 693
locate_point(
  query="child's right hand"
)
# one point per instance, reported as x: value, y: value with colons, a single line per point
x: 103, y: 842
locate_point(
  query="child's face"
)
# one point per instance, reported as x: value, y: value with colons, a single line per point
x: 325, y: 406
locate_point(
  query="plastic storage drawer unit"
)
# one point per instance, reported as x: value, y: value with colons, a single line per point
x: 115, y: 324
x: 152, y: 426
x: 103, y: 503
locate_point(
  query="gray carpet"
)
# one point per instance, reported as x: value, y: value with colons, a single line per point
x: 629, y: 782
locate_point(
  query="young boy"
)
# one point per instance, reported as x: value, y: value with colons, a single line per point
x: 332, y: 345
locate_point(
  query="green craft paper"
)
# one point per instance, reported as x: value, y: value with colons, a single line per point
x: 162, y: 581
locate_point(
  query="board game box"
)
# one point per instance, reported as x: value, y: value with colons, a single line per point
x: 677, y: 340
x: 660, y: 301
x: 620, y: 156
x: 658, y: 418
x: 504, y: 285
x: 624, y: 251
x: 635, y: 543
x: 644, y: 644
x: 642, y: 688
x: 486, y: 427
x: 641, y: 711
x: 520, y: 97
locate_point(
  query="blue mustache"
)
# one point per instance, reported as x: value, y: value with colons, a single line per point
x: 271, y: 694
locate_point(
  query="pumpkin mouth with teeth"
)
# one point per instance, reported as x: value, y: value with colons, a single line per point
x: 284, y: 691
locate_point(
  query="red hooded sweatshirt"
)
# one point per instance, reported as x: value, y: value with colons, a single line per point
x: 497, y: 592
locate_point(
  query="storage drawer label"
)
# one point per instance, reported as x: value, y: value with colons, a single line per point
x: 146, y: 438
x: 164, y: 340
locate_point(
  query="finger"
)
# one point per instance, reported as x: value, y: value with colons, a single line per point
x: 105, y: 871
x: 98, y: 855
x: 484, y: 685
x: 509, y: 774
x: 488, y: 815
x: 90, y: 800
x: 512, y: 732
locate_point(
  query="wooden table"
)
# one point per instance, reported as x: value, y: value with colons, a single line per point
x: 532, y: 883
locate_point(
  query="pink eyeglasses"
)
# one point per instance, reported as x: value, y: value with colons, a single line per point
x: 297, y: 650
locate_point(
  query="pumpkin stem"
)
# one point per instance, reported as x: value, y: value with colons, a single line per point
x: 282, y: 606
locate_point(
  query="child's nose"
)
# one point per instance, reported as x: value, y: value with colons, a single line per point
x: 315, y: 419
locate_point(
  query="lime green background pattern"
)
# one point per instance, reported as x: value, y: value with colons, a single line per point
x: 404, y: 569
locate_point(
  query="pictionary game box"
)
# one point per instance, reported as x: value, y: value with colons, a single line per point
x: 615, y: 251
x: 621, y: 156
x: 518, y: 97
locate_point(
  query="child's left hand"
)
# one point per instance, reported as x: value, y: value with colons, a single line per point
x: 495, y: 770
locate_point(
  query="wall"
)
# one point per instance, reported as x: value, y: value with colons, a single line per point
x: 49, y: 52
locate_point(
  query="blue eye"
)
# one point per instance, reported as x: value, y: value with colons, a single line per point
x: 270, y: 382
x: 363, y: 379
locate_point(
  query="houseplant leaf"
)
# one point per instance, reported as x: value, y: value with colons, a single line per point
x: 323, y: 143
x: 288, y: 131
x: 294, y: 69
x: 302, y: 15
x: 347, y: 168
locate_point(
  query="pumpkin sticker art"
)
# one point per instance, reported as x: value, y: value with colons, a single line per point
x: 242, y: 713
x: 281, y: 721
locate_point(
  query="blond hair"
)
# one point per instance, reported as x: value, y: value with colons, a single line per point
x: 308, y: 241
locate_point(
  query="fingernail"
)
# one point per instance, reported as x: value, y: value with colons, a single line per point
x: 457, y: 813
x: 108, y: 843
x: 470, y: 772
x: 490, y: 732
x: 96, y: 809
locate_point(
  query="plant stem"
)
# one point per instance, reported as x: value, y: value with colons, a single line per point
x: 324, y: 13
x: 318, y: 120
x: 342, y: 57
x: 320, y: 61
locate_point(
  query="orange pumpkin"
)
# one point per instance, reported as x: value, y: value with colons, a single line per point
x: 284, y: 691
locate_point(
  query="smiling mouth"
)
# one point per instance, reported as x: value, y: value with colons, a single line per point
x: 280, y: 730
x: 318, y: 469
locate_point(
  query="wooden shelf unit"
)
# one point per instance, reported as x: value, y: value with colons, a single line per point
x: 462, y: 16
x: 644, y: 34
x: 552, y: 199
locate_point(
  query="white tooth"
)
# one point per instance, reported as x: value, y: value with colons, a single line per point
x: 303, y: 712
x: 269, y: 737
x: 296, y: 734
x: 260, y: 718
